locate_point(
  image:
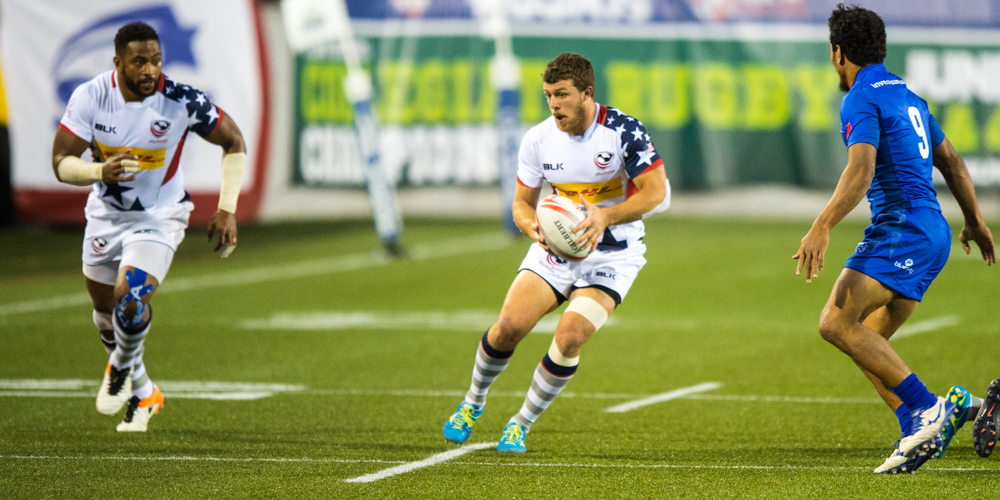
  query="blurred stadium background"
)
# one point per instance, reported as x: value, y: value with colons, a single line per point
x: 738, y: 96
x: 742, y: 104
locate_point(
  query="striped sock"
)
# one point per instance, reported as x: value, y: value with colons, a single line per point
x: 489, y: 363
x: 128, y: 344
x: 142, y: 387
x: 109, y: 347
x: 549, y: 380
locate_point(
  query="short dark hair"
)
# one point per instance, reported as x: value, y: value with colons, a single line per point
x: 134, y: 32
x: 859, y: 32
x: 570, y: 66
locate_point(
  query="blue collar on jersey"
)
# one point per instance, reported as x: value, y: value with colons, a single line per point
x: 867, y: 71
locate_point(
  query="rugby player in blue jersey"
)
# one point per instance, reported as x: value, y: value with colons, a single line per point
x: 892, y: 144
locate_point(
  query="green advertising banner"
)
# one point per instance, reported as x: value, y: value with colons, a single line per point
x: 720, y: 112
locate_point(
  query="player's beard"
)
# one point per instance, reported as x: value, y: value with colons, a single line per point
x: 843, y: 85
x: 134, y: 87
x: 575, y: 122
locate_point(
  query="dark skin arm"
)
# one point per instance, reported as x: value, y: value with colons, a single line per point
x: 227, y: 135
x: 67, y: 144
x: 851, y: 189
x: 955, y: 173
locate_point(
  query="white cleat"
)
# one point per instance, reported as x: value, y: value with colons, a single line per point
x: 898, y: 463
x: 927, y: 427
x: 140, y: 411
x: 115, y: 388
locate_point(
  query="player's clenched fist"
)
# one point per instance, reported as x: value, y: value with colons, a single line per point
x: 225, y: 223
x: 119, y: 164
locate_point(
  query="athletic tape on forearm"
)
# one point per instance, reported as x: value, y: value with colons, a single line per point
x: 73, y: 170
x: 557, y: 356
x: 590, y: 309
x: 234, y: 166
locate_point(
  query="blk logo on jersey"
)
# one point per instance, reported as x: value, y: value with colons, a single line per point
x: 104, y: 128
x: 98, y: 244
x: 605, y: 274
x: 159, y: 128
x: 552, y: 166
x: 603, y: 159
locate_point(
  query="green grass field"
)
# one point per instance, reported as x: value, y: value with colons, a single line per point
x: 333, y: 363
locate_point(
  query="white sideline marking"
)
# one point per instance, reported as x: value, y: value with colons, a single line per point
x: 782, y: 399
x: 926, y: 326
x: 666, y: 396
x: 483, y: 464
x: 77, y: 388
x: 459, y: 321
x: 80, y: 388
x: 427, y: 462
x: 207, y: 459
x: 340, y: 264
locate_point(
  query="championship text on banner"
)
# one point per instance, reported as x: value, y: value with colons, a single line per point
x: 49, y: 47
x: 729, y: 96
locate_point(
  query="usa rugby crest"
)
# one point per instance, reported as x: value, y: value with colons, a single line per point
x: 159, y: 128
x: 603, y: 159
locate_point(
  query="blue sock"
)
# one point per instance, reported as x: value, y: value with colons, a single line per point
x: 914, y: 393
x: 905, y: 417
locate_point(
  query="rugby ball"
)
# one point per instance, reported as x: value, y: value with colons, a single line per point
x: 556, y: 217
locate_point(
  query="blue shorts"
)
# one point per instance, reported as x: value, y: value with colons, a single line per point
x: 904, y: 249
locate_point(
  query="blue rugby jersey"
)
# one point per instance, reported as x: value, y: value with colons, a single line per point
x: 880, y: 110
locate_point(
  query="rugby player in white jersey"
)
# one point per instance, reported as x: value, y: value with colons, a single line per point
x: 135, y: 120
x: 603, y: 160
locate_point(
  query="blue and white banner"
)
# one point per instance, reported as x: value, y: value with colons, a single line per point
x: 939, y: 13
x: 49, y: 47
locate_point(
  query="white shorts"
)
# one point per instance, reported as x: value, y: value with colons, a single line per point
x: 615, y: 270
x: 144, y: 240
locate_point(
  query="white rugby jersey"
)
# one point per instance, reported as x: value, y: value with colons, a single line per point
x: 155, y: 129
x: 600, y: 165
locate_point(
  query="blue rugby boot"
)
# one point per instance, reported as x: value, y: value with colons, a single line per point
x: 459, y: 426
x: 898, y: 463
x: 513, y: 439
x: 960, y: 397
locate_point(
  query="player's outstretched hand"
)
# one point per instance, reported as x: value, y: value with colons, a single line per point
x: 811, y: 252
x: 118, y: 164
x: 979, y: 233
x: 594, y: 225
x: 225, y: 223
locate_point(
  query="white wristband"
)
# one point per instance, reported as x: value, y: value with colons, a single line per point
x: 234, y: 166
x: 73, y: 170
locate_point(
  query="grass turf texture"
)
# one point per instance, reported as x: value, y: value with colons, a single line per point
x: 717, y: 301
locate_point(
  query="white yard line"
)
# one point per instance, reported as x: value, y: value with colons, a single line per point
x: 81, y: 388
x: 78, y: 388
x: 467, y: 464
x: 427, y: 462
x: 666, y: 396
x: 926, y: 326
x: 205, y: 459
x: 316, y: 267
x: 781, y: 399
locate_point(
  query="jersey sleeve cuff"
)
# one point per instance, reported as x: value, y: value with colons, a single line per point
x: 654, y: 165
x: 519, y: 181
x: 66, y: 129
x: 219, y: 120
